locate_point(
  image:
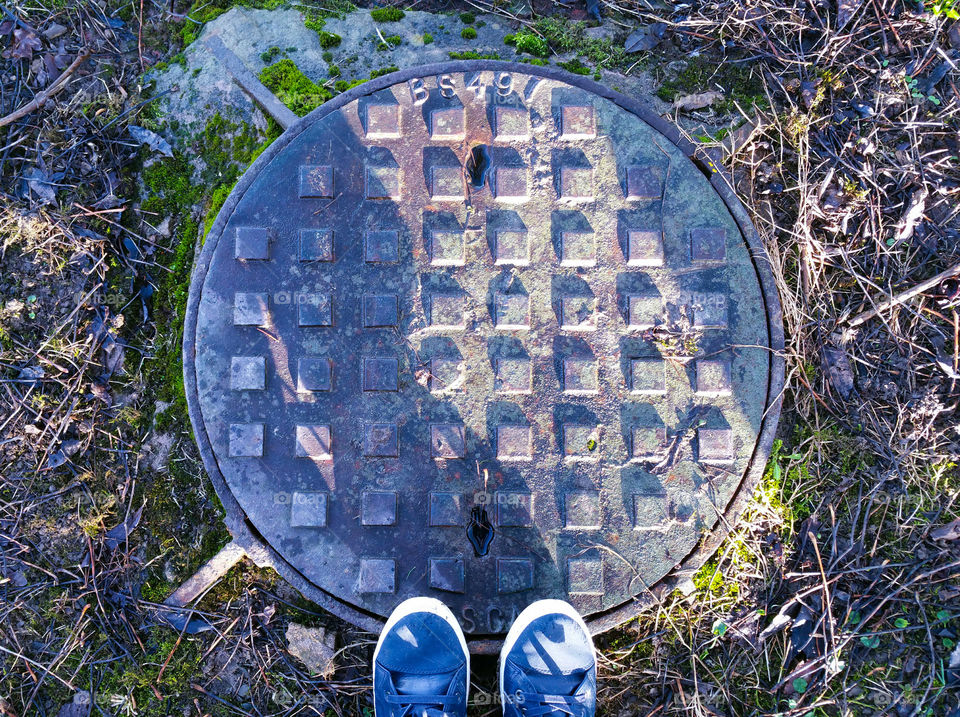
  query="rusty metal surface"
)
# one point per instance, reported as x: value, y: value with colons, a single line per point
x: 393, y: 335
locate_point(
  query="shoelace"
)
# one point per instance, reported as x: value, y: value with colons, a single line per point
x: 537, y: 705
x: 422, y: 705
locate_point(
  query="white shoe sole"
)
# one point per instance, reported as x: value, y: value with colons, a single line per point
x: 531, y: 613
x: 428, y: 605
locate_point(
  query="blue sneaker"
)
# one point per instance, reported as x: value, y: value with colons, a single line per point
x: 548, y: 665
x: 421, y: 666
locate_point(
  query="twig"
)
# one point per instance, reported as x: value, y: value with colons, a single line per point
x: 46, y: 94
x: 905, y: 295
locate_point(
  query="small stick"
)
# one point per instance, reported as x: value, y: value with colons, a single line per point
x: 46, y: 94
x: 905, y: 295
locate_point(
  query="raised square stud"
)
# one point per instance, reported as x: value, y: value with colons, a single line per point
x: 445, y: 509
x: 514, y: 443
x: 446, y: 184
x: 649, y: 512
x: 448, y: 123
x: 248, y: 373
x: 511, y: 123
x: 446, y: 374
x: 644, y: 312
x: 514, y: 575
x: 314, y: 310
x: 252, y: 243
x: 250, y: 309
x: 381, y: 182
x: 580, y: 375
x: 510, y: 184
x: 713, y: 377
x: 446, y: 574
x: 313, y: 442
x: 648, y: 376
x: 578, y: 313
x: 512, y: 311
x: 576, y: 183
x: 644, y: 248
x: 642, y: 183
x: 316, y: 180
x: 709, y: 311
x: 316, y: 245
x: 246, y: 440
x: 446, y: 248
x: 377, y: 575
x: 514, y: 509
x: 308, y: 510
x: 513, y: 375
x: 715, y: 445
x: 381, y: 246
x: 708, y: 245
x: 447, y: 311
x: 578, y: 249
x: 383, y: 121
x: 378, y: 508
x: 381, y: 311
x: 578, y: 122
x: 314, y: 374
x: 380, y: 440
x: 585, y: 576
x: 448, y: 440
x: 512, y: 247
x: 581, y: 509
x: 581, y: 442
x: 649, y: 443
x: 381, y: 374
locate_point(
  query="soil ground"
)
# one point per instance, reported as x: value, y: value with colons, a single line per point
x: 838, y: 593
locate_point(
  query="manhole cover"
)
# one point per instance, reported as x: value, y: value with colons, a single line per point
x: 482, y: 331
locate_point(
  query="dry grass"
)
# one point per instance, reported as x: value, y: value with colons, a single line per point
x: 833, y: 595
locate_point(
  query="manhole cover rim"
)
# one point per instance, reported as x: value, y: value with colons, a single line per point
x: 236, y: 519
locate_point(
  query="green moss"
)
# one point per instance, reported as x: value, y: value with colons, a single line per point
x: 528, y: 42
x: 389, y: 42
x: 467, y: 18
x: 333, y: 71
x: 168, y: 668
x: 539, y: 62
x: 473, y: 55
x: 468, y: 33
x: 271, y: 54
x: 575, y: 66
x: 427, y: 38
x: 327, y: 57
x: 736, y: 80
x: 387, y: 14
x: 344, y: 85
x: 329, y: 39
x: 383, y: 71
x: 293, y: 88
x: 565, y: 36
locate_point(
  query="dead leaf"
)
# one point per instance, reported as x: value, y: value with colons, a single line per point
x: 314, y: 647
x: 645, y: 38
x: 151, y: 139
x: 836, y: 366
x: 119, y: 534
x: 950, y: 531
x: 697, y: 101
x: 23, y: 44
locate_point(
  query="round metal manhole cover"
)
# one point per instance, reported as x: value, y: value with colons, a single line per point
x: 485, y: 332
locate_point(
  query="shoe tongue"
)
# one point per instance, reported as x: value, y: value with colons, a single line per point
x: 560, y: 684
x: 436, y: 684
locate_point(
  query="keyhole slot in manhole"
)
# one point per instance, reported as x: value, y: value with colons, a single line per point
x: 480, y: 532
x: 477, y: 166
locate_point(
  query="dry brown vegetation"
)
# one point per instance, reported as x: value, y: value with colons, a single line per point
x: 837, y: 594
